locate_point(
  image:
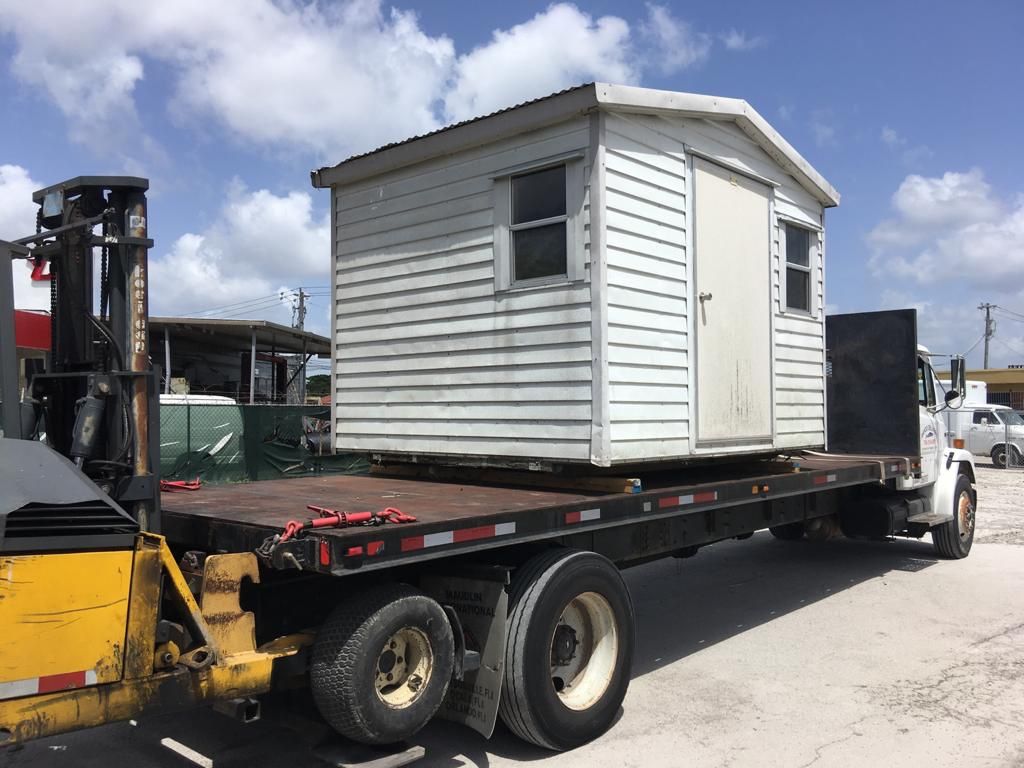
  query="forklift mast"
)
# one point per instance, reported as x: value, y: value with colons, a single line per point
x: 96, y: 402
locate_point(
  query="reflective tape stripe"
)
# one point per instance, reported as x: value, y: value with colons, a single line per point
x: 691, y: 498
x: 458, y: 536
x: 582, y: 516
x: 822, y: 479
x: 47, y: 684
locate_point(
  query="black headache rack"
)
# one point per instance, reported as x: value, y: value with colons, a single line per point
x: 627, y: 528
x: 871, y: 383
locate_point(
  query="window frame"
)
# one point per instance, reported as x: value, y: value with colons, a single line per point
x: 984, y: 414
x: 504, y: 264
x: 813, y: 246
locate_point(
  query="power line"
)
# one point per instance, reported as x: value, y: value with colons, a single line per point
x: 1015, y: 351
x: 1009, y: 312
x: 971, y: 348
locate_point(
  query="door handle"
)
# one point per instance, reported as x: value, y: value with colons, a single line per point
x: 704, y: 296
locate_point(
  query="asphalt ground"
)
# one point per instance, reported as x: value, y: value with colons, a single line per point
x: 752, y: 653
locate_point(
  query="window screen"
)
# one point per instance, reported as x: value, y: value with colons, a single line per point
x: 798, y: 268
x: 538, y: 227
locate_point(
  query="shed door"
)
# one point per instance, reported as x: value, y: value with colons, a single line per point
x: 732, y: 265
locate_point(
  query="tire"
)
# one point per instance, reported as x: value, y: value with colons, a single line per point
x: 953, y: 539
x: 569, y: 649
x: 789, y: 531
x: 351, y: 661
x: 999, y: 456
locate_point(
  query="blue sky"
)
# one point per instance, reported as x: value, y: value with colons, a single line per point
x: 910, y: 109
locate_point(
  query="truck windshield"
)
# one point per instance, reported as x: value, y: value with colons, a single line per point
x: 1012, y: 418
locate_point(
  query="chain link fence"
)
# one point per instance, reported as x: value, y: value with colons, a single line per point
x: 220, y: 443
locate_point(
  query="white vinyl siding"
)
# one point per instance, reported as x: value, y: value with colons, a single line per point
x: 648, y: 292
x: 430, y: 359
x: 648, y: 358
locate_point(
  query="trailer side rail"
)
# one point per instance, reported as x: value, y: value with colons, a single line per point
x: 684, y: 516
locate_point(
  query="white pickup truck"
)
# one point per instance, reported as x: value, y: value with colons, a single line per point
x: 989, y: 430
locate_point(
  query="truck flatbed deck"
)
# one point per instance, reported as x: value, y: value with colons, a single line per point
x: 454, y: 518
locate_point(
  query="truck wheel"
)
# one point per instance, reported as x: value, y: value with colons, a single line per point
x: 569, y: 649
x: 381, y: 664
x: 999, y: 456
x: 953, y: 539
x: 788, y: 532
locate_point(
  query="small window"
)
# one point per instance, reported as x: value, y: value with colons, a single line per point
x: 798, y: 268
x: 984, y: 417
x: 538, y: 226
x: 925, y: 384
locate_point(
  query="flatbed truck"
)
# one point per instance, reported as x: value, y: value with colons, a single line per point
x: 460, y: 596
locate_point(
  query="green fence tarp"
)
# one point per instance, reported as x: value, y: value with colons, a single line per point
x: 239, y: 443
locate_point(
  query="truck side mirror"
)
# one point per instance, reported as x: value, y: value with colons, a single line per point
x: 957, y: 377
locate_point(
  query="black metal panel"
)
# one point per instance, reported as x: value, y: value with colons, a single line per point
x: 47, y: 503
x: 872, y: 383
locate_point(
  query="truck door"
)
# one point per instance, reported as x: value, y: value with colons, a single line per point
x: 932, y: 426
x: 985, y: 431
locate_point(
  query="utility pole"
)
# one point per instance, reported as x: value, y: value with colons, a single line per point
x: 302, y: 310
x: 298, y: 309
x: 989, y: 329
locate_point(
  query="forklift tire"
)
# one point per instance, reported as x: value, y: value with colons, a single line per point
x: 953, y: 539
x: 382, y: 663
x: 789, y: 531
x: 569, y: 649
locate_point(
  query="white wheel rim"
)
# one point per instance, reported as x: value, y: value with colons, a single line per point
x: 404, y: 666
x: 584, y: 649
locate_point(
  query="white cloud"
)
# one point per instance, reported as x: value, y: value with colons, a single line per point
x: 555, y: 48
x: 951, y: 227
x: 891, y: 138
x: 321, y: 77
x: 823, y: 128
x: 785, y: 112
x: 259, y: 242
x: 931, y: 207
x: 671, y: 44
x: 327, y: 78
x: 18, y: 219
x: 735, y: 40
x: 911, y: 156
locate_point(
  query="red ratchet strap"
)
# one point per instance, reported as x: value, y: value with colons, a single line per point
x: 180, y: 485
x: 330, y: 518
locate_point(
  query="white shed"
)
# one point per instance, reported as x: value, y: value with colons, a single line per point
x: 608, y: 275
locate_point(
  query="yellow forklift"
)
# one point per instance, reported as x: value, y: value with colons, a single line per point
x: 98, y: 622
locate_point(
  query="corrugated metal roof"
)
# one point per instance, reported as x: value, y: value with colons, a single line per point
x: 556, y: 107
x: 459, y: 124
x: 282, y: 338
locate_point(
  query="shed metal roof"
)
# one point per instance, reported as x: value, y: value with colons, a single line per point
x: 239, y: 333
x: 565, y: 104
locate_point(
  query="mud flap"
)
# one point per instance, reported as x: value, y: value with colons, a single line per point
x: 481, y: 605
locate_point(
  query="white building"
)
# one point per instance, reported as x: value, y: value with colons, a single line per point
x: 608, y: 275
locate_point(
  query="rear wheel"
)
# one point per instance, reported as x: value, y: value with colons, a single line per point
x: 953, y: 539
x: 1003, y: 455
x: 382, y: 663
x: 788, y: 532
x: 569, y: 649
